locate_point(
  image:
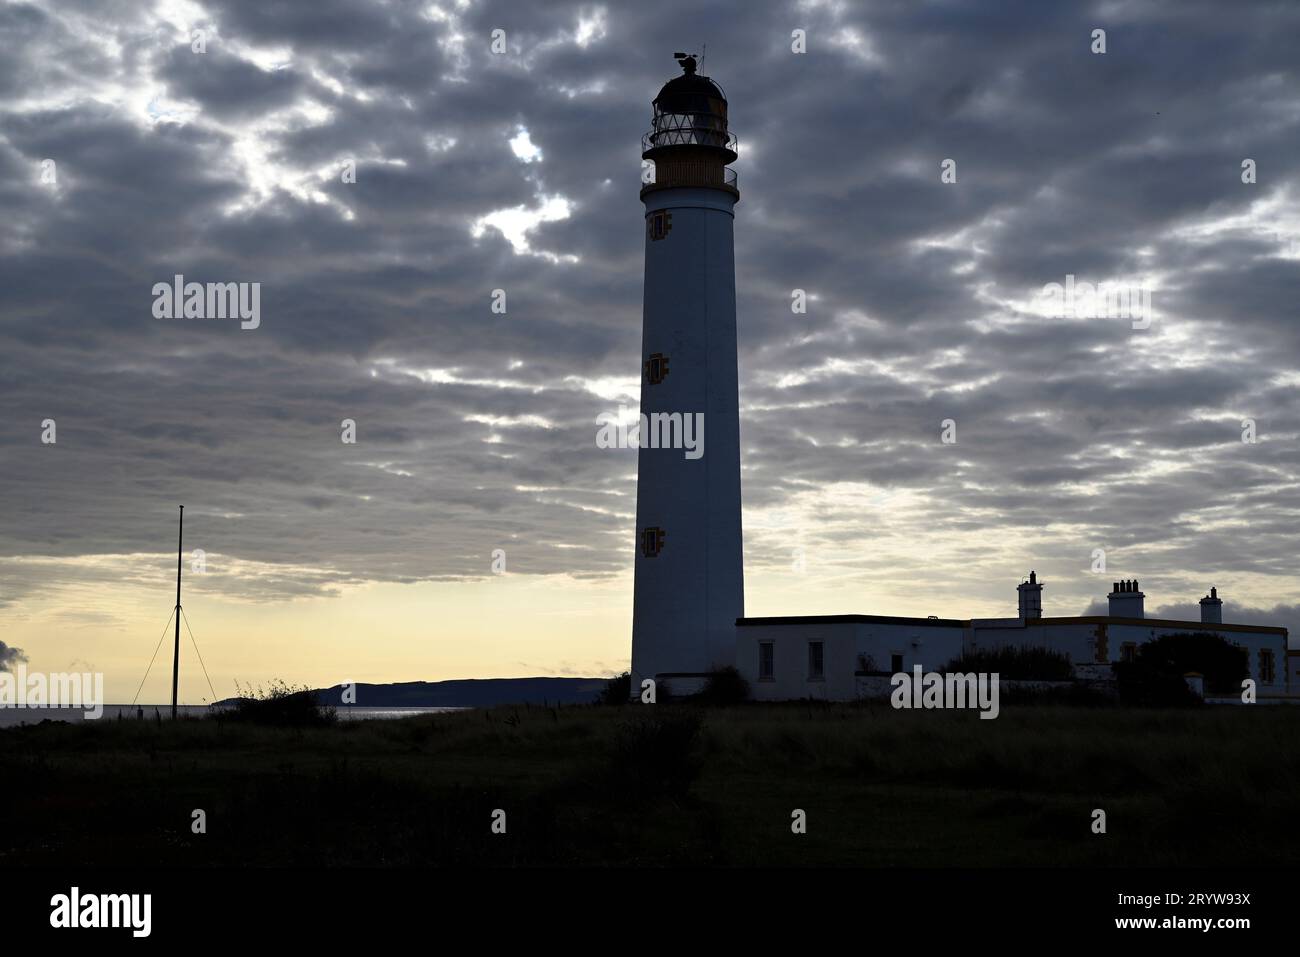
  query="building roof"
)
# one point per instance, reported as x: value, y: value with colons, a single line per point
x: 690, y: 85
x: 1161, y: 623
x: 960, y: 623
x: 691, y: 94
x: 845, y: 619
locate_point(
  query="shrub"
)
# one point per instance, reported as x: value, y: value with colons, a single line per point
x: 618, y: 690
x: 1223, y: 664
x: 1015, y: 664
x: 724, y: 686
x: 281, y: 705
x: 1151, y: 685
x: 1155, y: 675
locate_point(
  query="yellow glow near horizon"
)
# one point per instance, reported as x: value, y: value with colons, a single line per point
x: 500, y: 627
x: 105, y: 613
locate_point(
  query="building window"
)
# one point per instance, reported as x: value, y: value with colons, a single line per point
x: 659, y: 225
x: 895, y: 664
x: 1265, y: 667
x: 816, y: 661
x: 656, y: 367
x: 1102, y: 645
x: 766, y: 661
x: 1128, y: 651
x: 652, y: 541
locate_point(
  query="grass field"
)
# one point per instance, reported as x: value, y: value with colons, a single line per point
x: 665, y: 785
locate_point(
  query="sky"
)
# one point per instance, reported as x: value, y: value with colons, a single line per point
x: 129, y: 155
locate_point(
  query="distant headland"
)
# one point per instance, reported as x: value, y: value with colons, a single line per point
x: 462, y: 693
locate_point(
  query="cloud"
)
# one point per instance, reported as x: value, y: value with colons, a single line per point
x: 10, y: 656
x: 520, y: 172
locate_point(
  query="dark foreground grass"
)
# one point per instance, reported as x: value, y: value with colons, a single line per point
x: 664, y: 785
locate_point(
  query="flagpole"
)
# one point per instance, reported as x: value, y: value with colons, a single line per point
x: 176, y: 655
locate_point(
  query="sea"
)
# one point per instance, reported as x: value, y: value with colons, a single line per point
x: 12, y: 717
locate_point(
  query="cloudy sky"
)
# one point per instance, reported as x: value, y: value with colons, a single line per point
x: 520, y: 171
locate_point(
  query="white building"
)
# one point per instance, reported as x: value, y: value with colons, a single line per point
x: 828, y: 656
x: 688, y: 611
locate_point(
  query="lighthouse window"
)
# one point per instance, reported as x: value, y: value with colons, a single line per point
x: 766, y: 661
x: 816, y: 661
x: 652, y: 541
x: 656, y: 367
x: 1128, y: 651
x: 659, y: 225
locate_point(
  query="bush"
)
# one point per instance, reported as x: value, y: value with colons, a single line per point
x: 1149, y: 685
x: 1223, y: 664
x: 724, y: 686
x: 1155, y: 675
x: 1015, y: 664
x: 618, y: 690
x: 281, y: 705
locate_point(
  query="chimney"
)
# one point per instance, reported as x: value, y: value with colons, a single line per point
x: 1212, y: 608
x: 1126, y: 600
x: 1031, y: 597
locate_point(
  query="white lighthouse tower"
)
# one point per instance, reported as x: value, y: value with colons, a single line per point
x: 689, y: 576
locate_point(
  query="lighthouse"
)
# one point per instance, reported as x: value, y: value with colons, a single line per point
x: 689, y: 578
